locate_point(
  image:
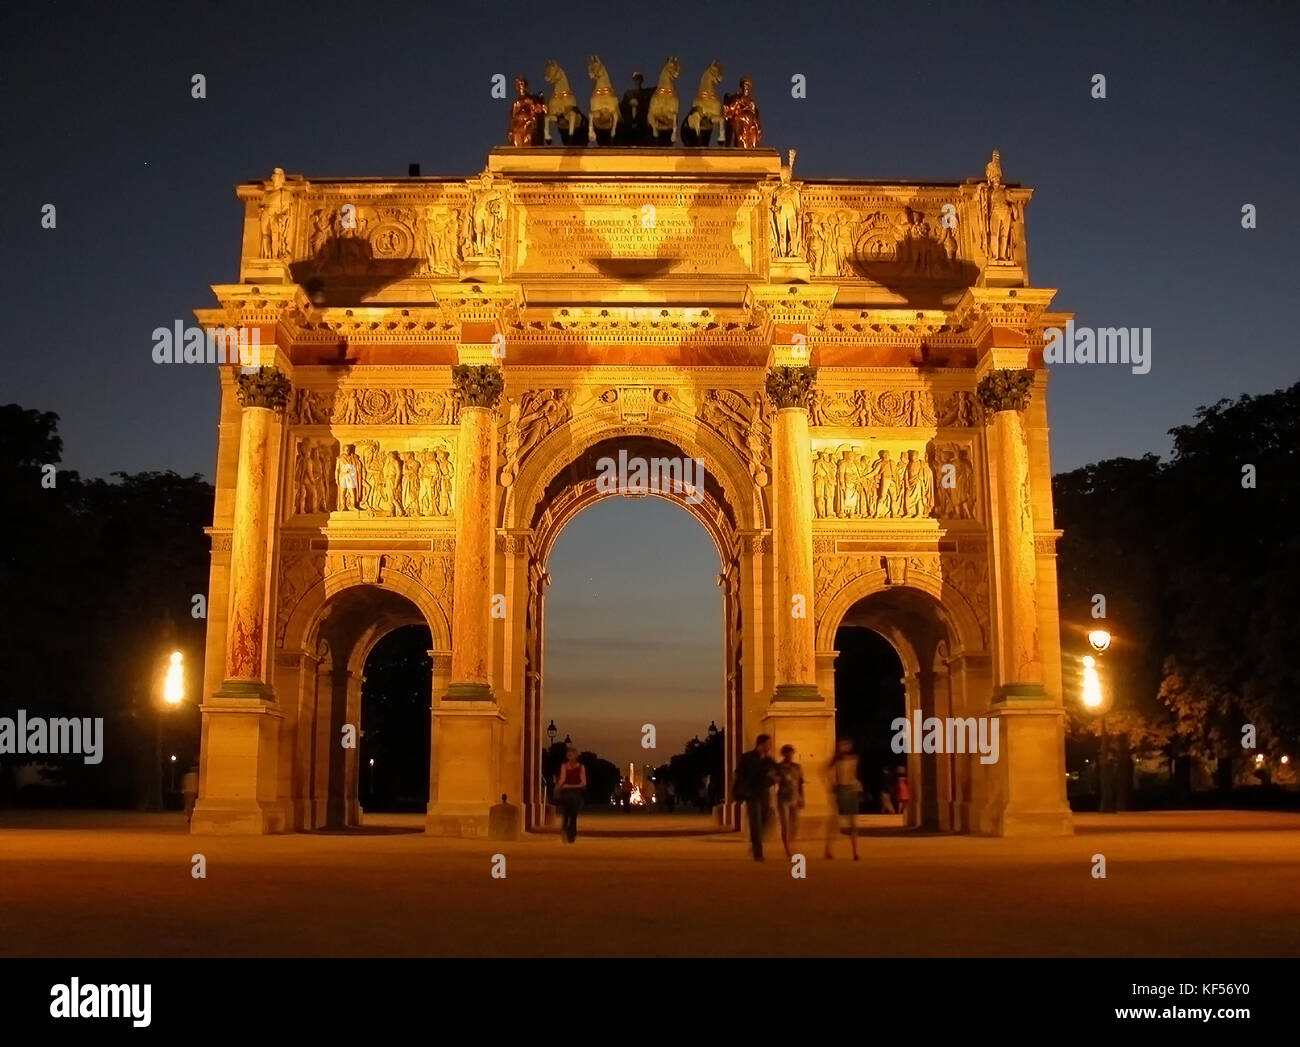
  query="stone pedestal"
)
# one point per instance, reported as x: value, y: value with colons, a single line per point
x: 237, y: 790
x: 463, y: 778
x: 1026, y: 787
x: 810, y: 728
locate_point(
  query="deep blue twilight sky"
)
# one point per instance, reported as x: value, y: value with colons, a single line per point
x: 1136, y: 218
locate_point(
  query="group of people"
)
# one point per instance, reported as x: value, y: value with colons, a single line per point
x: 757, y: 773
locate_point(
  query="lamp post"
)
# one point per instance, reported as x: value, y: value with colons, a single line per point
x: 173, y: 692
x: 1095, y: 701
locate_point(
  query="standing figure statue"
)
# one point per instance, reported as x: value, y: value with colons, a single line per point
x: 663, y: 103
x: 526, y: 116
x: 918, y: 487
x: 741, y: 112
x: 706, y: 110
x: 481, y: 224
x: 998, y: 214
x: 392, y: 477
x: 604, y: 102
x: 276, y: 214
x: 410, y: 484
x: 823, y: 485
x: 562, y: 110
x: 884, y: 487
x: 348, y: 479
x: 787, y: 234
x: 633, y: 112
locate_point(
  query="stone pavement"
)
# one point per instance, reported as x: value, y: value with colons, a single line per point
x: 1178, y: 884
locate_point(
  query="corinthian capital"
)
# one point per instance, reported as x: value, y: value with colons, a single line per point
x: 791, y: 386
x: 1006, y: 389
x: 265, y: 387
x: 477, y: 385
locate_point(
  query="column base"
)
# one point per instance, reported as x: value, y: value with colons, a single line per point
x: 1024, y: 791
x: 468, y: 692
x: 796, y: 692
x: 239, y: 763
x: 225, y: 817
x: 463, y: 821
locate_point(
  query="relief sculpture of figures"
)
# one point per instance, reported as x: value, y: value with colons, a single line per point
x: 787, y: 235
x: 742, y: 424
x: 440, y: 240
x: 276, y: 217
x: 851, y: 487
x: 998, y: 214
x: 348, y: 479
x: 541, y: 412
x: 526, y: 116
x: 918, y: 487
x: 741, y: 112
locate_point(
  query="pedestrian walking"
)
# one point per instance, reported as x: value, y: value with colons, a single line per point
x: 846, y: 793
x: 789, y: 796
x: 568, y: 794
x: 887, y: 792
x: 190, y: 790
x: 902, y: 792
x: 755, y: 775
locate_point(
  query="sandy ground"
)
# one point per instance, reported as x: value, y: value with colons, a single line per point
x: 1177, y: 884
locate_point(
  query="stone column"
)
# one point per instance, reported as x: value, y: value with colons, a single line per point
x: 1004, y: 394
x: 241, y: 721
x: 261, y: 394
x: 790, y: 389
x: 468, y: 727
x: 478, y: 390
x: 798, y: 715
x: 1024, y: 791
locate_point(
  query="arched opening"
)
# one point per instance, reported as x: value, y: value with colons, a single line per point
x: 869, y: 695
x: 634, y: 653
x: 892, y: 661
x: 395, y: 723
x: 363, y: 630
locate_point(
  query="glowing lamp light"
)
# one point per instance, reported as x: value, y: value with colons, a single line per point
x: 1092, y: 697
x: 1100, y: 639
x: 1259, y: 759
x: 174, y: 684
x: 173, y: 757
x: 1286, y: 759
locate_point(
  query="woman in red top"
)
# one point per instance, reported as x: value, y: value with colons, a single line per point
x: 568, y: 794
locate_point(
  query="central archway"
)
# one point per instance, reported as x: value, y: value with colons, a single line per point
x: 635, y: 673
x: 542, y: 506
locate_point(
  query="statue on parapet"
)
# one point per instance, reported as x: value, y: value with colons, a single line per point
x: 662, y: 117
x: 527, y: 114
x: 999, y: 215
x: 603, y: 114
x: 562, y: 109
x: 787, y: 214
x: 706, y: 111
x: 741, y: 112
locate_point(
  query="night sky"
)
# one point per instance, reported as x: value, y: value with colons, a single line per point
x: 1136, y: 219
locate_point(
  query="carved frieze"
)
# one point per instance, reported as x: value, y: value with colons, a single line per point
x: 860, y: 408
x: 364, y: 478
x: 381, y: 406
x: 534, y: 416
x: 743, y: 422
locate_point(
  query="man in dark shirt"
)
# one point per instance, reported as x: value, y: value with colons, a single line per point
x: 755, y: 775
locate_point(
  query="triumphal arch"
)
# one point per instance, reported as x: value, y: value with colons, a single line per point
x: 442, y: 363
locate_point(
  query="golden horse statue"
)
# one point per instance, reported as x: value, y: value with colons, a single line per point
x: 563, y: 104
x: 706, y: 107
x: 663, y: 103
x: 604, y: 102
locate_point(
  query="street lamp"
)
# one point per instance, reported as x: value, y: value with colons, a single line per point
x: 173, y: 693
x: 1100, y: 640
x: 1095, y: 702
x: 713, y: 728
x: 551, y: 731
